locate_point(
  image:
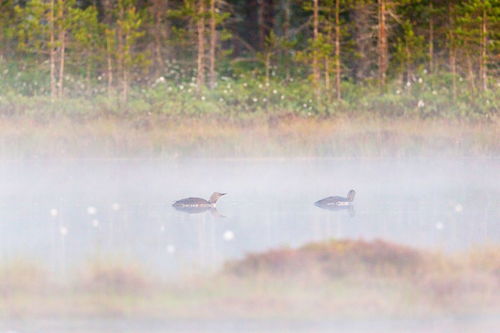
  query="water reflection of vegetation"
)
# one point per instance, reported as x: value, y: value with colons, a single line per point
x: 334, y: 278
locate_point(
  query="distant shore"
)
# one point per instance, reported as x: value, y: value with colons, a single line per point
x: 274, y: 135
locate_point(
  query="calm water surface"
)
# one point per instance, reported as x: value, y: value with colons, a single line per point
x: 63, y: 213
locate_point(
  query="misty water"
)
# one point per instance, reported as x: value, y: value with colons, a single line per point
x: 65, y: 213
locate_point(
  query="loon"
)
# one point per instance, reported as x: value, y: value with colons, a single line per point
x: 199, y: 202
x: 337, y: 201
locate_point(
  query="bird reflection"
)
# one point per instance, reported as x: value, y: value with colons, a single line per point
x: 349, y: 208
x: 199, y: 210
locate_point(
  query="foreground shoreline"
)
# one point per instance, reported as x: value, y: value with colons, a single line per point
x: 333, y: 279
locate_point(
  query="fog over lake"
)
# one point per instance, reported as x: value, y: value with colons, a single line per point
x: 63, y: 213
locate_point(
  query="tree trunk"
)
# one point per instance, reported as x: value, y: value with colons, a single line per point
x: 52, y: 52
x: 125, y: 84
x: 337, y: 50
x: 363, y: 37
x: 483, y: 70
x: 409, y: 71
x: 286, y: 17
x: 382, y: 43
x: 109, y: 61
x: 159, y: 33
x: 470, y: 71
x: 431, y: 39
x: 453, y: 67
x: 62, y: 48
x: 120, y: 60
x: 327, y: 77
x: 213, y: 44
x: 200, y: 79
x: 62, y: 53
x: 452, y: 57
x: 261, y: 24
x: 268, y: 66
x: 121, y: 37
x: 87, y: 74
x: 315, y: 60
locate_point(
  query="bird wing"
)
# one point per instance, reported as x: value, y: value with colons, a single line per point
x: 191, y: 201
x: 330, y: 200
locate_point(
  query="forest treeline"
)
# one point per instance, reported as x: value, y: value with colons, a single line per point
x: 307, y: 56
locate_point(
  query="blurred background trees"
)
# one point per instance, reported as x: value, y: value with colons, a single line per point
x: 63, y: 48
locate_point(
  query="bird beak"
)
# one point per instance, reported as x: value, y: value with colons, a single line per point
x: 223, y: 194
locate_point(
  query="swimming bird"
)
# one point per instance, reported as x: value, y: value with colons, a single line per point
x: 199, y: 202
x: 337, y: 201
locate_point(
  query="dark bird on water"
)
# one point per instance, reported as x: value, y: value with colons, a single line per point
x: 336, y: 201
x: 199, y: 202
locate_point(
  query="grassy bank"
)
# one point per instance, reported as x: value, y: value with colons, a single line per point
x: 280, y: 134
x: 335, y: 279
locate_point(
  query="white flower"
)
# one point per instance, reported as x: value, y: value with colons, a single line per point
x: 408, y: 84
x: 434, y: 92
x: 228, y: 235
x: 275, y: 91
x: 91, y: 210
x: 420, y: 80
x: 203, y: 98
x: 398, y: 92
x: 63, y: 231
x: 54, y: 212
x: 170, y: 249
x: 421, y: 103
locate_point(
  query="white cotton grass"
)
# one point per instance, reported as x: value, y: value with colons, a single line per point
x: 91, y: 210
x: 439, y: 226
x: 170, y: 249
x: 95, y: 223
x: 228, y: 235
x: 459, y: 208
x: 63, y: 230
x: 115, y: 206
x: 54, y: 212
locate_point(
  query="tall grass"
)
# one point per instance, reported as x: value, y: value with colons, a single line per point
x: 320, y: 280
x: 169, y: 136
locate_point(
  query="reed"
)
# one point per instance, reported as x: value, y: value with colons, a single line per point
x: 277, y: 136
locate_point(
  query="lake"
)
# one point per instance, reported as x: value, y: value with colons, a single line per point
x: 64, y: 213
